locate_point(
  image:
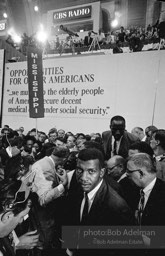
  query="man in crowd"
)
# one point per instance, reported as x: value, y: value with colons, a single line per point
x: 50, y: 144
x: 49, y: 181
x: 141, y: 170
x: 148, y: 133
x: 88, y: 39
x: 140, y: 147
x: 61, y: 133
x: 98, y: 204
x: 71, y: 143
x: 150, y: 210
x: 117, y: 140
x: 116, y: 167
x: 14, y: 206
x: 105, y: 206
x: 138, y: 131
x: 157, y: 143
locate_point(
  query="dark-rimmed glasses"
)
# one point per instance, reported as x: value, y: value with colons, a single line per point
x: 111, y: 168
x: 131, y: 171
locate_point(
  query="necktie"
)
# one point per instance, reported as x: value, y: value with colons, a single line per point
x: 114, y: 148
x: 85, y: 209
x: 141, y: 206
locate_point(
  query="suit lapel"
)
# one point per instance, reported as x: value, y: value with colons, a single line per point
x: 96, y: 205
x: 152, y: 198
x: 108, y: 145
x: 123, y: 145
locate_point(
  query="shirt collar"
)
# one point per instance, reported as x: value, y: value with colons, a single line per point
x: 160, y: 157
x: 149, y: 187
x: 122, y: 177
x: 93, y: 192
x: 118, y: 141
x: 52, y: 160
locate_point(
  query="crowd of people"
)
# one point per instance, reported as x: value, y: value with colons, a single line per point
x: 132, y: 39
x: 53, y: 186
x: 135, y: 39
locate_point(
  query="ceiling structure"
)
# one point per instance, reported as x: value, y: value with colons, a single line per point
x: 23, y: 18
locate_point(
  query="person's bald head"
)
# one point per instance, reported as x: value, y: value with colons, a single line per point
x: 116, y: 167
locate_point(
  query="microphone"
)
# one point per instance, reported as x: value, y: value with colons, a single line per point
x: 71, y: 33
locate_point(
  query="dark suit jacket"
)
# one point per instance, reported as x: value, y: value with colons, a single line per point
x: 130, y: 192
x: 87, y: 42
x: 108, y: 208
x: 126, y: 141
x: 5, y: 247
x: 154, y: 211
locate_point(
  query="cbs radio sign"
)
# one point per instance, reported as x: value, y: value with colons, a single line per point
x: 72, y: 14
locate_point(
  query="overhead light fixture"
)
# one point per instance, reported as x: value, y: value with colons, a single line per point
x: 114, y: 23
x: 36, y: 9
x: 15, y: 37
x: 41, y: 35
x: 5, y: 15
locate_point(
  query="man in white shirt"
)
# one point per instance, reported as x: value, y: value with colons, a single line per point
x: 157, y: 143
x: 49, y: 181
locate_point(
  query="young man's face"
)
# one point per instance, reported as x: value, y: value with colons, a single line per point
x: 89, y: 174
x: 70, y: 142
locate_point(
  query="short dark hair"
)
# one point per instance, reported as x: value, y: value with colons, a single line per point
x: 150, y: 128
x: 94, y: 144
x: 61, y: 151
x: 142, y: 147
x: 52, y: 130
x: 74, y: 138
x: 117, y: 118
x: 160, y: 135
x: 81, y: 134
x: 91, y: 154
x: 29, y: 137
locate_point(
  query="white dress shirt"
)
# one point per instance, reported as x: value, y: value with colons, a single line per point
x: 91, y: 195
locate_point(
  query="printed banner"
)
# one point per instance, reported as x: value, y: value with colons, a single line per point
x: 82, y: 93
x: 35, y: 83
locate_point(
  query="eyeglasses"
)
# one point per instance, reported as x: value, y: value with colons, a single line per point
x: 20, y: 197
x: 111, y: 168
x: 131, y: 171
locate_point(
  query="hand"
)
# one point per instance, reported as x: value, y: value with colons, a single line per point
x: 61, y: 173
x: 28, y: 241
x: 146, y: 240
